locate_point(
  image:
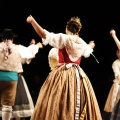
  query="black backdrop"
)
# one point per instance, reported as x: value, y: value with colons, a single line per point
x: 97, y: 19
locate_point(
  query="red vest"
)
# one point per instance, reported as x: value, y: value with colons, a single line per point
x: 64, y: 58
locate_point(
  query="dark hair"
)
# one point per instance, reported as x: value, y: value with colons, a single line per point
x: 8, y: 34
x: 74, y: 25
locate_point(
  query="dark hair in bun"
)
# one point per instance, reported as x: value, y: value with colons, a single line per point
x: 74, y: 25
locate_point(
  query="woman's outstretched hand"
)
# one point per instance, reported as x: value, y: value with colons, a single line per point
x: 29, y: 19
x: 92, y: 44
x: 112, y: 32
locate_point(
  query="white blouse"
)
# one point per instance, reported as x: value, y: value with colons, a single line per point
x: 116, y: 67
x: 28, y: 52
x: 75, y: 46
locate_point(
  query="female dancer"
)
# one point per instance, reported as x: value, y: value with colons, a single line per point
x: 67, y: 93
x: 111, y: 109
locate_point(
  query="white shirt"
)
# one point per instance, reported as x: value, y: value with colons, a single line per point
x: 75, y: 46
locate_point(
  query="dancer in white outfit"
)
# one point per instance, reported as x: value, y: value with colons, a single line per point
x: 111, y: 109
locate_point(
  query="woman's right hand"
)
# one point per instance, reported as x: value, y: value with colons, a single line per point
x: 112, y: 32
x: 29, y: 19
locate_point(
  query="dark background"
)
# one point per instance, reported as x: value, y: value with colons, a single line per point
x: 97, y: 18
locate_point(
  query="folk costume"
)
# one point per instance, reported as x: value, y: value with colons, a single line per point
x: 11, y: 57
x: 67, y: 93
x: 23, y: 106
x: 112, y: 105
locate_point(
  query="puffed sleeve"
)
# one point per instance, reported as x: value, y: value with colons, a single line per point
x: 27, y: 53
x: 87, y: 49
x: 55, y: 40
x: 77, y: 49
x: 116, y: 68
x: 73, y: 48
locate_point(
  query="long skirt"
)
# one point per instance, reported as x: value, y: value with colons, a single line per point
x: 111, y: 110
x: 23, y: 103
x: 67, y: 94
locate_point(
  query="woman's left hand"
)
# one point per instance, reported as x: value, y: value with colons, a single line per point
x: 92, y: 44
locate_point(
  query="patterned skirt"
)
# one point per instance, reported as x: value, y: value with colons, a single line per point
x: 67, y: 94
x: 23, y: 103
x: 112, y: 105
